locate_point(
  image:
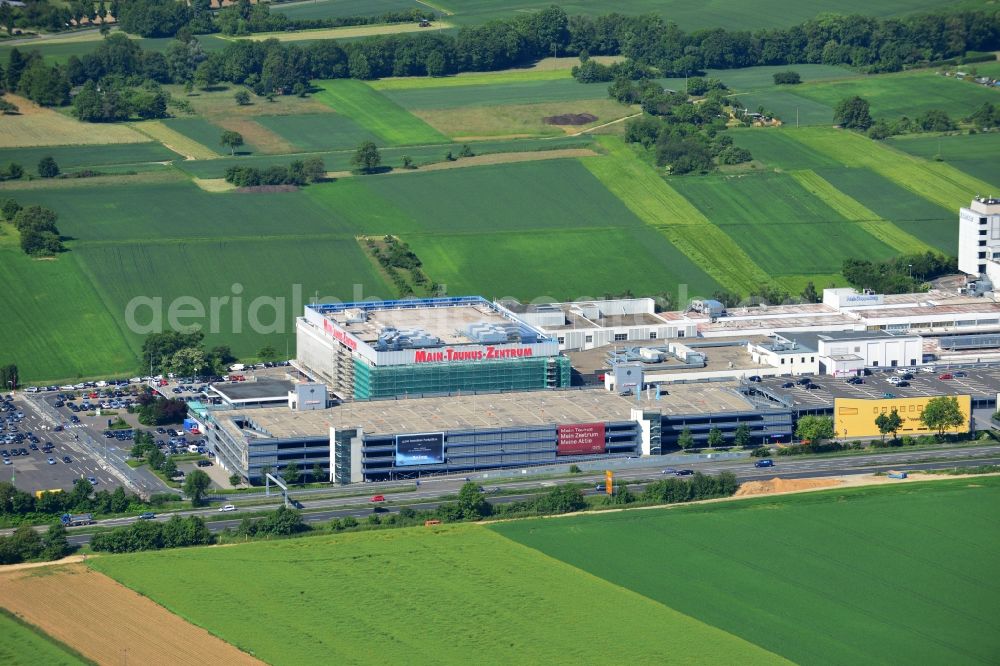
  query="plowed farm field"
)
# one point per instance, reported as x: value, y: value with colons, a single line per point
x: 104, y: 621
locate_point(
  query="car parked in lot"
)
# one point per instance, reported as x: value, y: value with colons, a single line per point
x: 902, y: 384
x: 855, y: 380
x: 946, y: 375
x: 51, y: 461
x: 67, y: 460
x: 6, y: 461
x: 788, y: 385
x: 956, y: 375
x: 754, y: 378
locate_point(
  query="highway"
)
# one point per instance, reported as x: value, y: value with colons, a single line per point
x: 429, y: 494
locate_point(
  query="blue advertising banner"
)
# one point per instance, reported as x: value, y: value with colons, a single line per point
x: 420, y: 449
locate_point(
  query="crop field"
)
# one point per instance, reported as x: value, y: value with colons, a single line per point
x: 788, y: 107
x: 975, y: 154
x: 204, y: 133
x: 850, y: 209
x: 73, y: 157
x: 56, y: 324
x: 106, y: 622
x: 317, y: 132
x: 38, y: 126
x: 777, y: 149
x: 376, y: 113
x: 939, y: 183
x: 692, y: 16
x: 174, y: 140
x: 502, y: 77
x: 24, y: 645
x: 311, y: 9
x: 524, y: 92
x: 907, y: 93
x: 521, y: 119
x: 901, y: 574
x: 661, y: 207
x: 517, y: 605
x: 762, y: 77
x: 340, y: 160
x: 480, y: 263
x: 929, y: 222
x: 781, y: 225
x: 348, y: 32
x: 286, y: 273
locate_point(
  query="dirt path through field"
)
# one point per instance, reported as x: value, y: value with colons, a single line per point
x: 105, y: 621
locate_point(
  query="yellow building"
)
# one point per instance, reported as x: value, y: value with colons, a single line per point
x: 855, y: 417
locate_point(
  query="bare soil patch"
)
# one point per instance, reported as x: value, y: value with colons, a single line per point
x: 777, y: 485
x: 101, y: 619
x: 570, y: 119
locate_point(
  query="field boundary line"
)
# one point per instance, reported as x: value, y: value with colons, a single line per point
x: 173, y: 140
x: 369, y: 30
x: 852, y: 210
x: 595, y: 127
x: 663, y: 208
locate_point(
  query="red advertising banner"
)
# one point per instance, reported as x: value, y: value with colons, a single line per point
x: 580, y: 439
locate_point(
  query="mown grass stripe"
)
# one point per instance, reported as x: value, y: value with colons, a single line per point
x: 175, y: 141
x: 938, y: 183
x: 657, y: 204
x: 880, y: 228
x: 471, y: 79
x: 376, y: 113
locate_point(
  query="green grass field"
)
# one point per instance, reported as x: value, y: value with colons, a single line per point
x: 907, y: 93
x: 937, y: 182
x: 376, y: 113
x: 57, y: 326
x: 340, y: 160
x: 464, y: 79
x: 310, y: 9
x: 421, y: 596
x: 900, y: 574
x: 168, y: 240
x: 780, y: 224
x: 317, y: 132
x: 975, y: 154
x: 661, y: 207
x: 205, y: 133
x: 24, y: 645
x: 542, y: 213
x: 76, y: 157
x: 762, y: 77
x: 286, y: 273
x: 527, y: 92
x: 929, y: 222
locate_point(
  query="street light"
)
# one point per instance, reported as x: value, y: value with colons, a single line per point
x: 910, y: 268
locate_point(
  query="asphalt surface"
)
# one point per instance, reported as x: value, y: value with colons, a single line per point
x: 428, y: 495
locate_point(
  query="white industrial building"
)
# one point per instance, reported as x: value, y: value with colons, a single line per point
x: 979, y: 239
x: 838, y: 353
x: 583, y: 325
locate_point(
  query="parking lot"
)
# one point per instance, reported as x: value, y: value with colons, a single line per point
x: 32, y: 471
x: 980, y: 383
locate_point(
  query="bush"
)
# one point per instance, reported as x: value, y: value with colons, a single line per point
x: 787, y: 78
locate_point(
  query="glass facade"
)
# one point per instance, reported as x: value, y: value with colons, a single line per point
x: 429, y: 378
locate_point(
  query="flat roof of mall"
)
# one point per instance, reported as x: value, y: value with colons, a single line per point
x: 444, y: 318
x: 496, y: 410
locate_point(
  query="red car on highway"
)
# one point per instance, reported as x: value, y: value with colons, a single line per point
x: 378, y: 498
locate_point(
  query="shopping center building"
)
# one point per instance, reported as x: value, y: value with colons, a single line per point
x: 432, y: 346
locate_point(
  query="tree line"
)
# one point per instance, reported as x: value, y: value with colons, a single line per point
x: 17, y: 506
x: 151, y: 535
x: 900, y: 275
x: 271, y: 66
x: 26, y: 544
